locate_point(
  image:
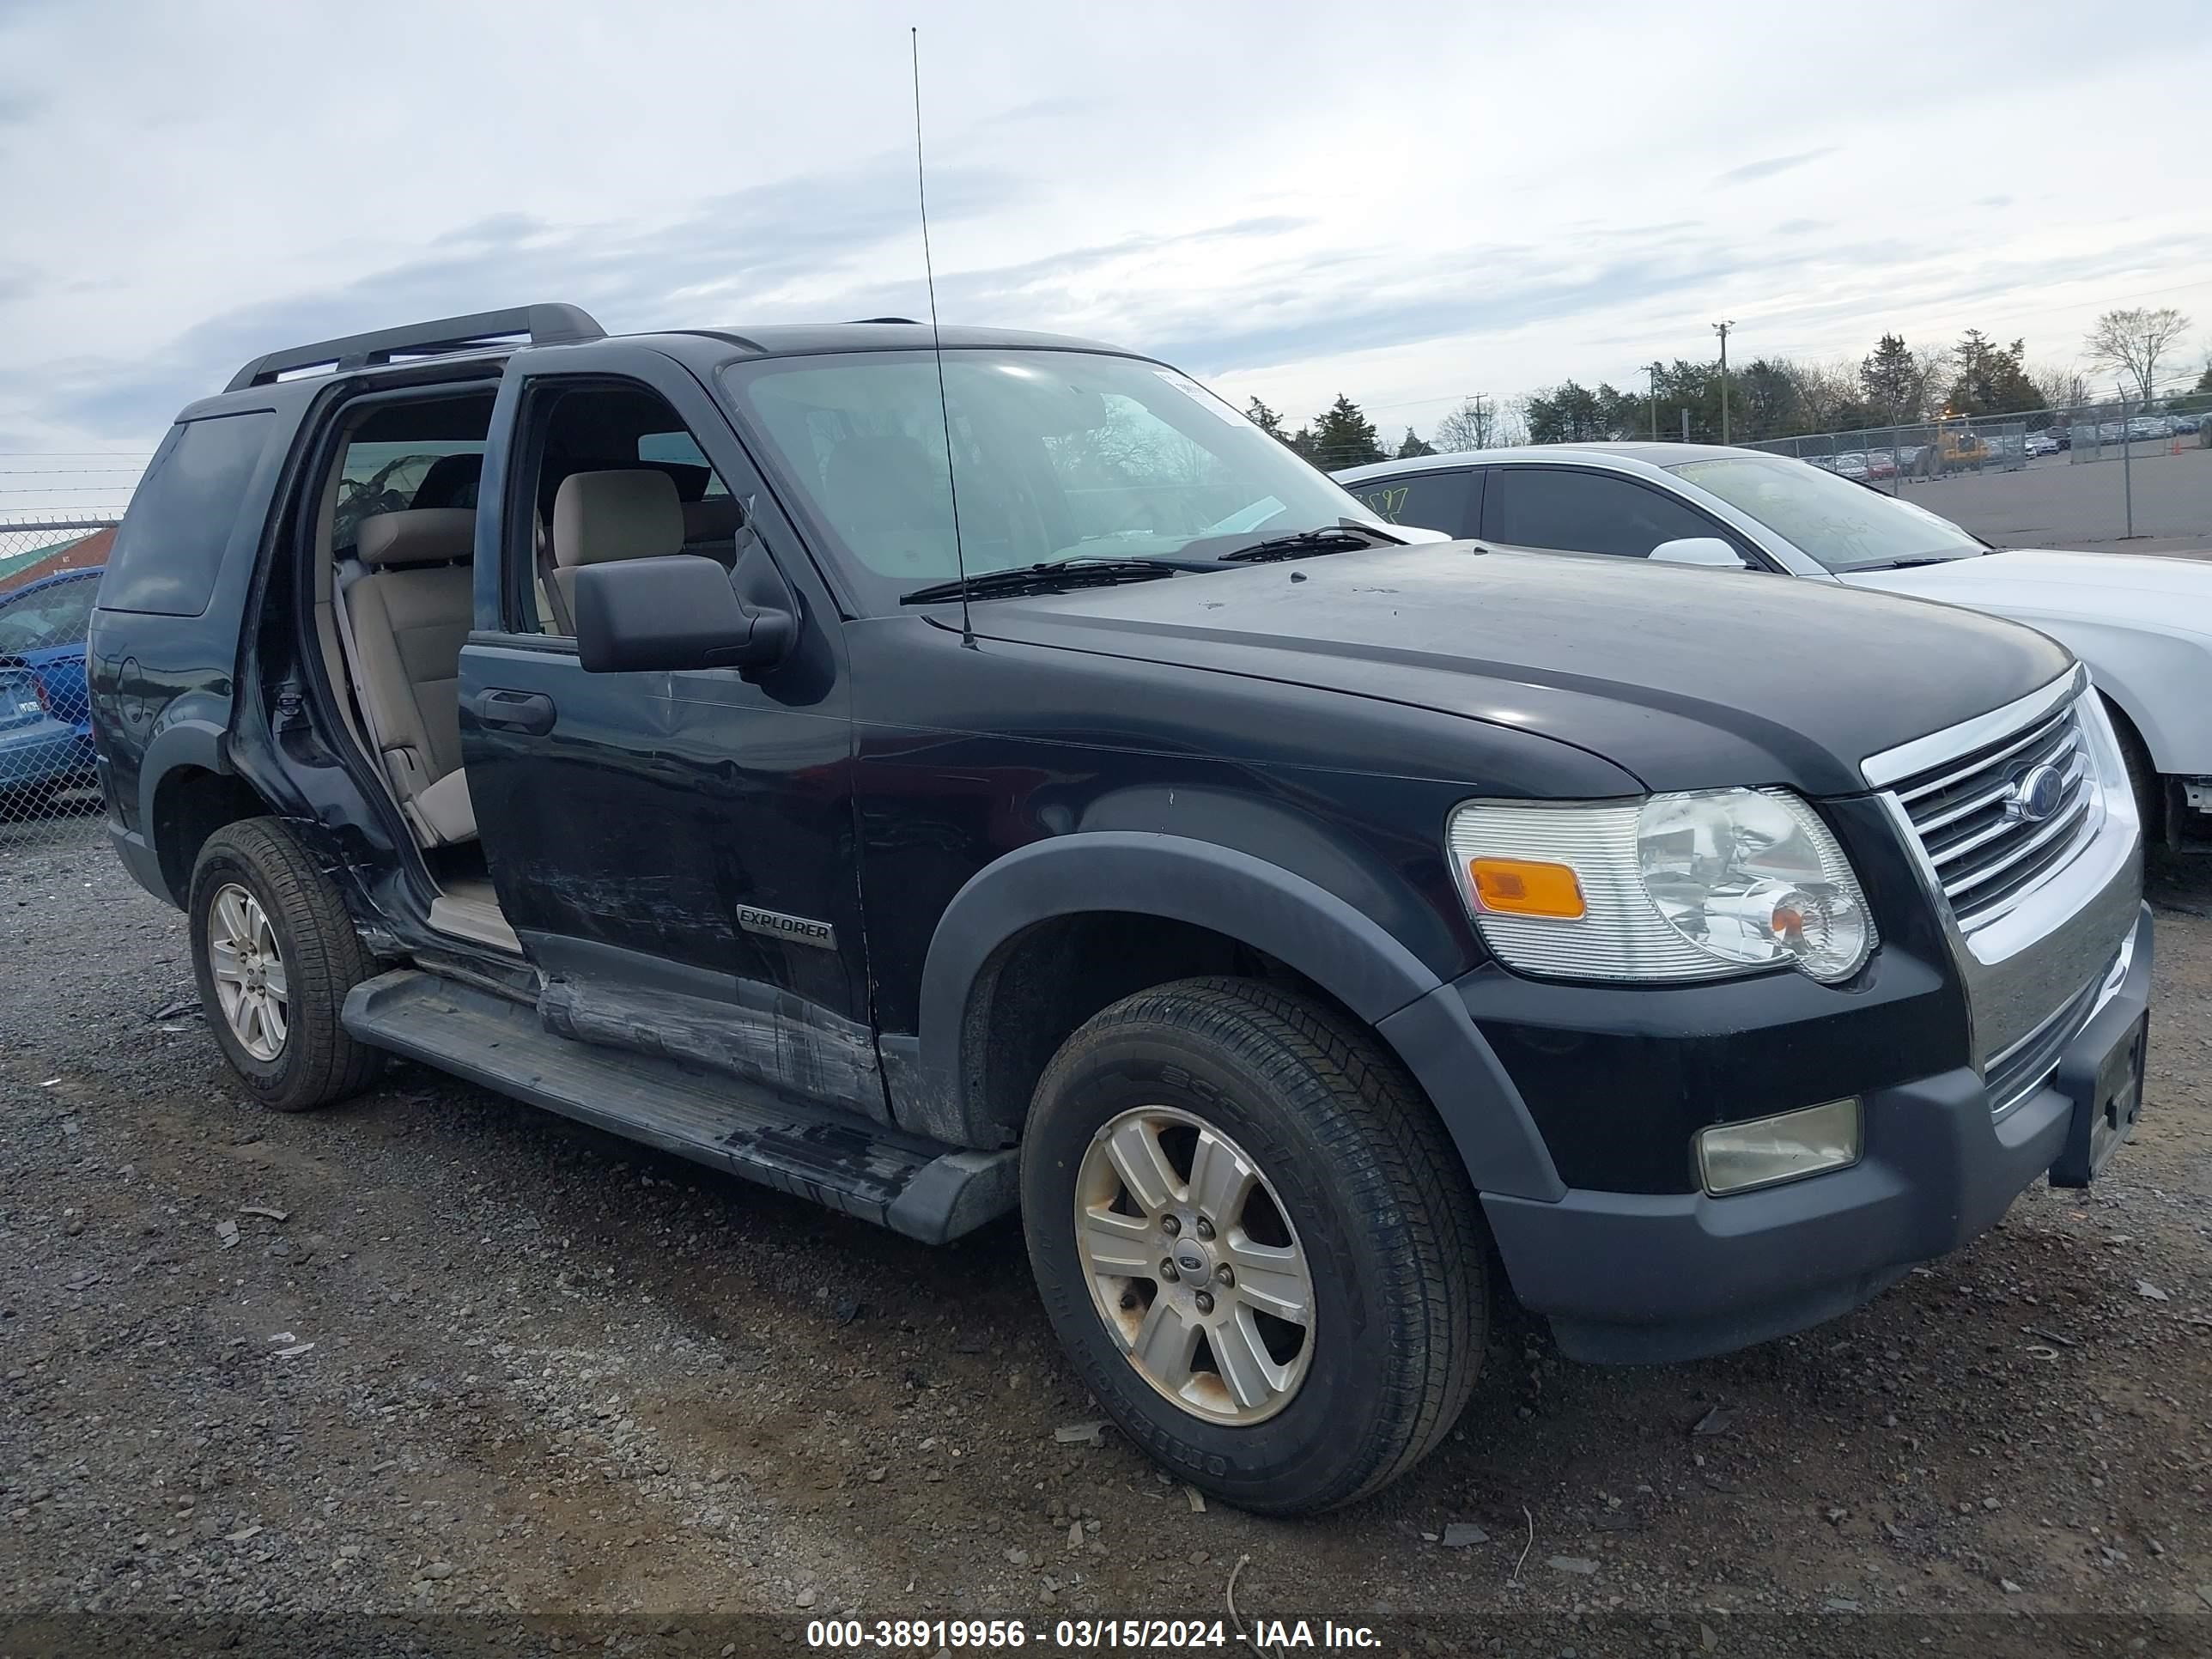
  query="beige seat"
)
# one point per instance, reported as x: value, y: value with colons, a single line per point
x: 601, y: 517
x: 408, y: 618
x: 716, y: 519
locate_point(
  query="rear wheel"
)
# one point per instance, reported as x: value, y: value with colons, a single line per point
x: 275, y: 954
x: 1256, y: 1242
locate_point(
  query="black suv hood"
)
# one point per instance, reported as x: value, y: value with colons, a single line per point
x: 1684, y: 678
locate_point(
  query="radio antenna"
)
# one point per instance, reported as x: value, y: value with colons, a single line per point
x: 937, y: 344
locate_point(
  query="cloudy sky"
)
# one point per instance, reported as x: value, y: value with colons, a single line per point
x: 1463, y: 198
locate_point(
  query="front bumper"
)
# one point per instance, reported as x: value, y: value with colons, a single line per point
x: 1654, y: 1277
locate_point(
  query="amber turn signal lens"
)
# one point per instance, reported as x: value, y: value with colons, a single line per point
x: 1524, y: 887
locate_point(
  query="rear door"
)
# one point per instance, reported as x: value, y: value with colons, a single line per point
x: 674, y: 850
x: 1572, y: 509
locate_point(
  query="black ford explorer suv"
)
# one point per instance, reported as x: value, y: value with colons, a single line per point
x: 1058, y: 798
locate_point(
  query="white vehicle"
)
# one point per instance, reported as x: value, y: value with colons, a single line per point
x: 2142, y: 624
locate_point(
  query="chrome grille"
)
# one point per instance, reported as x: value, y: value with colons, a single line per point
x: 2019, y: 1072
x: 1984, y: 854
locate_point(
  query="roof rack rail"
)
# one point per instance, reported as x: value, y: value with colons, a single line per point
x: 547, y: 325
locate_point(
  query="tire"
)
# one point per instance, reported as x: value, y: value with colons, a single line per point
x: 2143, y: 780
x: 1347, y: 1162
x: 253, y: 880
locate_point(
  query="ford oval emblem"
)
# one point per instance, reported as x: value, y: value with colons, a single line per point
x: 2037, y: 793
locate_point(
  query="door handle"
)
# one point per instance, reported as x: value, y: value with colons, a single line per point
x: 516, y: 711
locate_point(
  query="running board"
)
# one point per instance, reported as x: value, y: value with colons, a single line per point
x: 922, y: 1188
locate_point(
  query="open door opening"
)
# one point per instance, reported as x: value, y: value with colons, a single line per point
x: 394, y: 601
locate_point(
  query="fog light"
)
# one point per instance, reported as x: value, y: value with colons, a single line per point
x: 1734, y: 1157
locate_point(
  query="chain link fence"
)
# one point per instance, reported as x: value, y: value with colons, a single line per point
x: 2122, y: 431
x: 49, y: 578
x: 1896, y: 455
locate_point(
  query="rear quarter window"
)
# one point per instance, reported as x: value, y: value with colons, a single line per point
x: 170, y: 549
x: 1433, y: 500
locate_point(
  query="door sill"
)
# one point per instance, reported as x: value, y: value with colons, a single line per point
x: 470, y: 910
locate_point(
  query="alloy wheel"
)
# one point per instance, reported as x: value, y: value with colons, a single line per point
x: 249, y: 971
x: 1194, y: 1265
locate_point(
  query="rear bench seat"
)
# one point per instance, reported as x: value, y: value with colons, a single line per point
x: 409, y: 617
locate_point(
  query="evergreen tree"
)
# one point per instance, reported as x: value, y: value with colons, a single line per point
x: 1569, y: 414
x: 1892, y: 379
x: 1413, y: 446
x: 1267, y: 420
x: 1342, y: 436
x: 1764, y: 401
x: 1992, y: 379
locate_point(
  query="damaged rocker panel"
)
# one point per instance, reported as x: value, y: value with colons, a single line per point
x: 914, y: 1185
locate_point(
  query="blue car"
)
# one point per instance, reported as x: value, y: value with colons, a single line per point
x: 46, y: 728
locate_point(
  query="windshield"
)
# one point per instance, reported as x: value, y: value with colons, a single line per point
x: 1843, y: 525
x: 1056, y: 455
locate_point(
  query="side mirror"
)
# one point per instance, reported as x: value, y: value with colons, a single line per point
x: 1697, y: 549
x: 680, y: 611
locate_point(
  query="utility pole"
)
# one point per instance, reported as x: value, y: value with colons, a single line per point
x: 1654, y: 372
x: 1721, y: 329
x: 1475, y: 428
x: 2127, y: 476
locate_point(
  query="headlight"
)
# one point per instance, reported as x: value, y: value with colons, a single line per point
x: 1678, y: 886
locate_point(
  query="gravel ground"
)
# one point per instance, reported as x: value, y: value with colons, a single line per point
x: 432, y: 1353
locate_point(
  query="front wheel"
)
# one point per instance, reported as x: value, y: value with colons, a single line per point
x: 2143, y: 780
x: 275, y: 954
x: 1256, y: 1242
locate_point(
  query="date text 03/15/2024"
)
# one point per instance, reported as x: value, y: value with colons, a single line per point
x: 1081, y: 1635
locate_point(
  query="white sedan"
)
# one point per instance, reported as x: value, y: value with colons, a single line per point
x: 2142, y: 624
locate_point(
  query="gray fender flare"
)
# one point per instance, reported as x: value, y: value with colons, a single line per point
x: 1272, y: 909
x: 192, y: 742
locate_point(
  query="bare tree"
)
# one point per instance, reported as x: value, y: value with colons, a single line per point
x: 1474, y: 425
x: 1829, y: 395
x: 1933, y: 365
x: 2131, y: 342
x: 2059, y: 388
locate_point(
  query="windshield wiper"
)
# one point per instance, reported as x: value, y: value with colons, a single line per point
x: 1344, y: 537
x: 1055, y: 576
x: 1915, y: 562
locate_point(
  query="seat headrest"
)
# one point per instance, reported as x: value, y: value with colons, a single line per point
x: 598, y: 517
x: 451, y: 481
x: 716, y: 518
x: 417, y: 535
